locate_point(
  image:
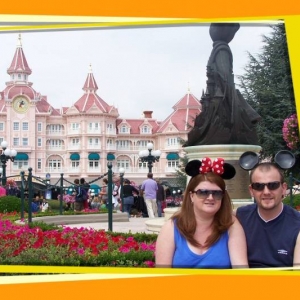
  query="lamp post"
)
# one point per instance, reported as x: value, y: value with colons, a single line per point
x: 122, y: 172
x: 150, y: 156
x: 109, y: 193
x: 6, y: 155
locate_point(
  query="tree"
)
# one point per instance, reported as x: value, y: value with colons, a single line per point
x: 267, y: 86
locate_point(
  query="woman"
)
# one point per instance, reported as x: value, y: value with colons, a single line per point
x: 128, y: 198
x: 204, y: 233
x: 104, y: 191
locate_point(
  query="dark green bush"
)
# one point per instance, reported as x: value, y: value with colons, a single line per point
x: 11, y: 204
x: 295, y: 198
x: 54, y: 204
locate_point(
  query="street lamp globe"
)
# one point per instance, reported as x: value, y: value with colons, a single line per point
x: 4, y: 144
x: 121, y: 171
x: 150, y: 146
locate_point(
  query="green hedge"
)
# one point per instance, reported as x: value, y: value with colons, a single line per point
x: 11, y: 204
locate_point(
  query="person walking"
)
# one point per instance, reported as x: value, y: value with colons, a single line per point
x: 149, y: 188
x: 160, y: 197
x: 128, y: 198
x: 86, y: 187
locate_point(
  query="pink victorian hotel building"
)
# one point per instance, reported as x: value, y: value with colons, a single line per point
x: 79, y: 140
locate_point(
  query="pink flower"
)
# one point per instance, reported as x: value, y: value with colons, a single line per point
x: 149, y: 263
x: 290, y: 132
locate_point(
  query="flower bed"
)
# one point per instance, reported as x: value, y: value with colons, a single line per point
x: 65, y: 246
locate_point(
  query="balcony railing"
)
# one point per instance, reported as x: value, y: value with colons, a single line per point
x: 55, y: 148
x: 55, y: 132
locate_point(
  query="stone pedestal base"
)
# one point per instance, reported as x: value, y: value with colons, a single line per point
x: 237, y: 187
x: 155, y: 224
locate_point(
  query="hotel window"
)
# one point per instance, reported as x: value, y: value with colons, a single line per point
x: 20, y: 165
x: 1, y: 126
x: 123, y: 163
x: 24, y: 141
x: 75, y: 142
x: 39, y: 164
x: 93, y: 141
x: 25, y: 126
x: 39, y: 142
x: 39, y: 127
x: 75, y: 126
x: 173, y: 163
x: 172, y: 141
x: 146, y: 129
x: 16, y: 126
x: 16, y: 141
x: 93, y: 164
x: 75, y: 164
x: 54, y: 164
x: 124, y: 129
x: 94, y: 126
x: 143, y: 143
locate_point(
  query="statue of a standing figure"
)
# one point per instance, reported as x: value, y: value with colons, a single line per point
x: 226, y: 117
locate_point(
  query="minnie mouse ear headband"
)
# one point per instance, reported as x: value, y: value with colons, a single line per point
x: 284, y: 159
x: 218, y: 166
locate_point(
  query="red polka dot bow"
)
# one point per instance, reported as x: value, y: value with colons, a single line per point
x: 208, y: 166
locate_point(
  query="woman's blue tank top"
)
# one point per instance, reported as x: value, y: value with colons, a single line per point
x: 216, y: 257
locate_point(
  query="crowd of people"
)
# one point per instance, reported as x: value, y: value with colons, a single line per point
x: 146, y: 200
x: 10, y: 189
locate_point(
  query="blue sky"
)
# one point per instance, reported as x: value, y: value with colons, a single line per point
x: 135, y: 69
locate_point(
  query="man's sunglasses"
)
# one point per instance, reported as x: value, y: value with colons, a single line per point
x: 274, y: 185
x: 203, y: 194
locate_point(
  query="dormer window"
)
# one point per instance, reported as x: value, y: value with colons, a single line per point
x: 19, y: 76
x: 146, y: 129
x: 124, y: 129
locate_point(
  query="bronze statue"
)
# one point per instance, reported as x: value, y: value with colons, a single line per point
x: 226, y: 117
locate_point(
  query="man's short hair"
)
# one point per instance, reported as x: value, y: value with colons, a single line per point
x: 150, y: 175
x: 267, y: 166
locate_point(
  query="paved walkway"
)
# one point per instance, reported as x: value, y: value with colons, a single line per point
x: 133, y: 225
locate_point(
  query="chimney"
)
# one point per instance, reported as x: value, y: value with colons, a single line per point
x: 148, y: 114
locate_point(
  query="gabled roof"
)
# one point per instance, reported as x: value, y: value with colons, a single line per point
x: 185, y: 112
x: 19, y: 63
x: 90, y: 97
x: 135, y: 124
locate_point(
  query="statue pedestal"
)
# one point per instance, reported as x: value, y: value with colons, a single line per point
x: 237, y: 187
x: 155, y: 224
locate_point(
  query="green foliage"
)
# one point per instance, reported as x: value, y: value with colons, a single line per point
x: 44, y: 226
x: 267, y: 86
x: 139, y: 237
x: 11, y: 204
x: 296, y: 200
x: 181, y: 177
x: 54, y: 204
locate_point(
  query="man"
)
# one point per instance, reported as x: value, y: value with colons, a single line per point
x: 160, y: 197
x: 149, y: 187
x: 271, y: 228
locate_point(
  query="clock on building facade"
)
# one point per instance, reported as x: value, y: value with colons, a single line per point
x: 20, y: 104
